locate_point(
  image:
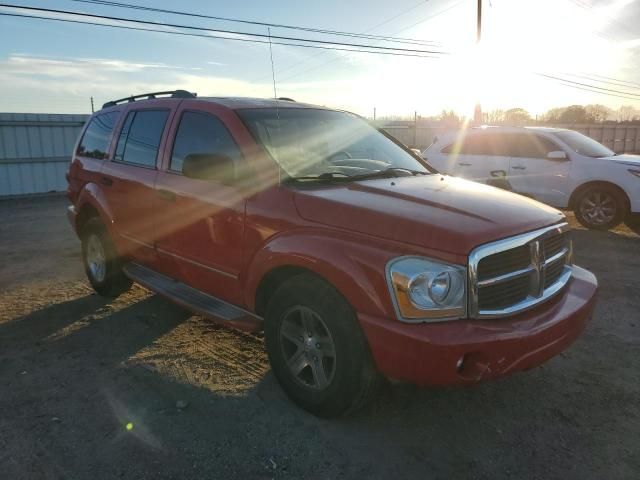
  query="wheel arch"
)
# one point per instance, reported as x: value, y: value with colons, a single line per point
x: 351, y: 269
x: 575, y: 195
x: 87, y: 212
x: 93, y: 203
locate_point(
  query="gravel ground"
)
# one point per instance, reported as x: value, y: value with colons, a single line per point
x: 139, y: 388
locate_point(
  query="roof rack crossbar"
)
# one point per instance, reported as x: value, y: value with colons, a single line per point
x: 172, y: 93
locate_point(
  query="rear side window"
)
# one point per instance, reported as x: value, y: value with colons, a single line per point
x: 95, y: 141
x: 201, y: 133
x: 140, y: 137
x: 469, y: 145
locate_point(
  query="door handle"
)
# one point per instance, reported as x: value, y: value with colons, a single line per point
x: 106, y: 181
x: 166, y: 195
x: 519, y: 167
x: 464, y: 164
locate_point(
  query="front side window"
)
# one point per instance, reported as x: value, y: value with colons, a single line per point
x: 140, y: 137
x: 529, y: 145
x: 315, y: 142
x: 583, y: 145
x: 95, y: 141
x: 202, y: 133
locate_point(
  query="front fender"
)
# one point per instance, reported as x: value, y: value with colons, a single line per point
x: 352, y: 263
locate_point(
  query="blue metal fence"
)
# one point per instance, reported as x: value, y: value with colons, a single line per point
x: 35, y: 149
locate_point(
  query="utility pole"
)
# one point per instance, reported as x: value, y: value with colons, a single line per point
x: 374, y: 114
x: 415, y: 128
x: 477, y: 114
x: 92, y: 110
x: 479, y: 34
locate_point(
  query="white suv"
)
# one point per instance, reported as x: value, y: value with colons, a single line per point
x: 560, y: 167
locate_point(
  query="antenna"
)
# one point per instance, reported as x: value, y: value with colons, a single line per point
x: 273, y: 70
x: 275, y: 95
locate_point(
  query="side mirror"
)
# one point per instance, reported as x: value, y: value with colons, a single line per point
x: 557, y: 155
x: 210, y: 167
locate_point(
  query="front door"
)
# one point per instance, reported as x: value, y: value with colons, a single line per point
x: 532, y: 174
x: 200, y: 223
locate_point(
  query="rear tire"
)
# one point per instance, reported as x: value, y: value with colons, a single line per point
x: 600, y: 207
x: 316, y: 348
x: 101, y: 262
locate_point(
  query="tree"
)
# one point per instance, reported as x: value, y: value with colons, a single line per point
x: 628, y: 113
x: 597, y: 113
x: 574, y: 114
x: 516, y: 116
x: 450, y: 117
x: 494, y: 116
x: 553, y: 115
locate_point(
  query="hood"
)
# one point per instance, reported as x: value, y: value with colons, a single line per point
x: 625, y: 159
x: 434, y: 211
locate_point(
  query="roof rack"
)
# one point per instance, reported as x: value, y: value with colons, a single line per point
x: 149, y: 96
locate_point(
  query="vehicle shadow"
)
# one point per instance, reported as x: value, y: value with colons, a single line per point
x: 102, y: 390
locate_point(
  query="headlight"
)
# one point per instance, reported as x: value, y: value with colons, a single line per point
x: 427, y: 290
x: 634, y: 172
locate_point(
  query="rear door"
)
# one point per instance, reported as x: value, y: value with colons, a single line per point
x: 493, y: 166
x: 129, y: 179
x: 464, y: 156
x: 531, y: 173
x: 200, y: 223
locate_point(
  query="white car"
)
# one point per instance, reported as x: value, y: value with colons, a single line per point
x: 560, y: 167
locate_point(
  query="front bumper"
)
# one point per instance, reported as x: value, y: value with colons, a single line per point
x: 468, y: 351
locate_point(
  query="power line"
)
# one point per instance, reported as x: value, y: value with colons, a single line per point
x: 213, y: 37
x: 617, y: 80
x: 264, y: 24
x: 399, y: 14
x: 430, y: 17
x: 214, y: 30
x: 592, y: 88
x: 612, y: 81
x: 588, y: 85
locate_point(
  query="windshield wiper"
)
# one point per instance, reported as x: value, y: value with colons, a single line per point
x: 326, y: 176
x: 391, y: 172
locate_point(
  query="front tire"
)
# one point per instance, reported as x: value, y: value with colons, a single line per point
x: 316, y: 348
x: 101, y: 263
x: 600, y: 208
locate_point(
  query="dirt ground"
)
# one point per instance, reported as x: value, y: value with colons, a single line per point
x: 138, y: 388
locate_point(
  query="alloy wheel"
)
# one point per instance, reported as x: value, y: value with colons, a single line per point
x: 96, y: 258
x: 598, y: 208
x: 308, y: 348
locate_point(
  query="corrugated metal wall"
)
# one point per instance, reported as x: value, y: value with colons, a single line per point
x: 35, y: 150
x: 619, y: 138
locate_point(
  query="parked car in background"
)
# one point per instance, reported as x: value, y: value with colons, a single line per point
x: 355, y: 257
x: 562, y: 168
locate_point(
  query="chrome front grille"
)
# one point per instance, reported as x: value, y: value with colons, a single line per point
x: 516, y: 273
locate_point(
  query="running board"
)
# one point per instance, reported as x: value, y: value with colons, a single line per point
x: 193, y: 299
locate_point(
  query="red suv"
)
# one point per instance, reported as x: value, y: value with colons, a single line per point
x: 357, y: 259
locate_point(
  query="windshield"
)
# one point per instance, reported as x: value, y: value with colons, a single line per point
x: 583, y: 145
x: 313, y: 142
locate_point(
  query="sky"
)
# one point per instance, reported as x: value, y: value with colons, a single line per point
x: 55, y: 67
